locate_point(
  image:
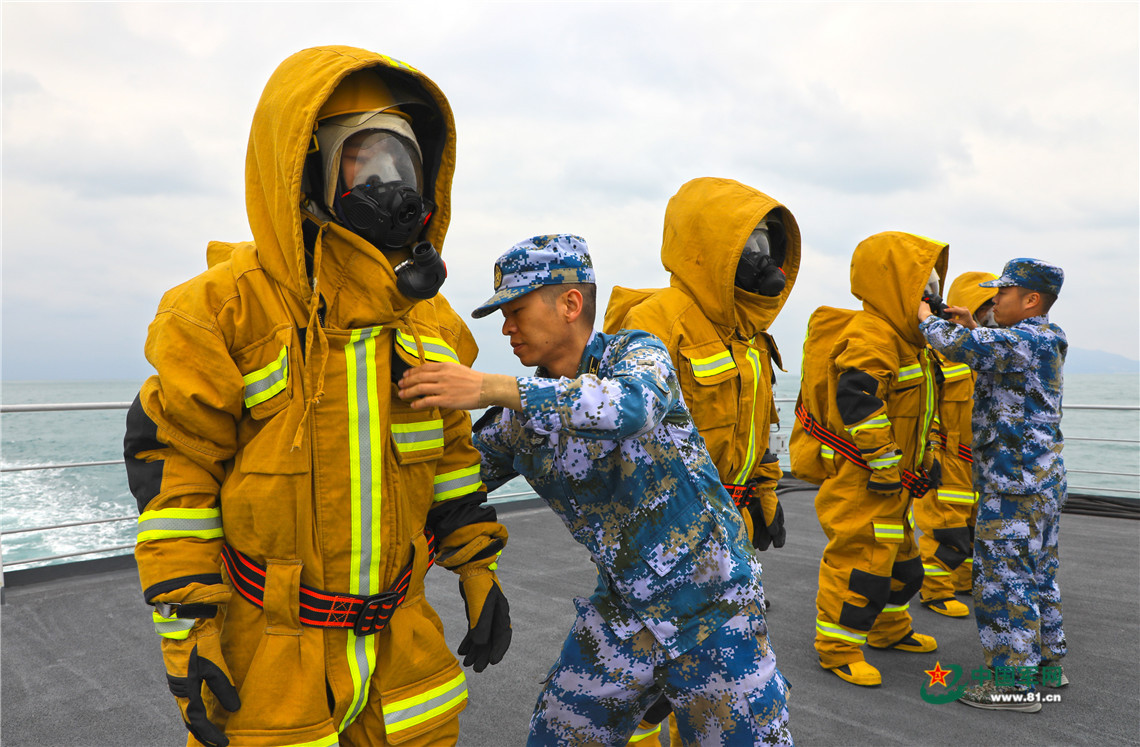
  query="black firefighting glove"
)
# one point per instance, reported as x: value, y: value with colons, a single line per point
x: 767, y: 518
x: 195, y: 661
x: 488, y: 617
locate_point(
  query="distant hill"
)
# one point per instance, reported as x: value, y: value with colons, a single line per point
x: 1079, y: 361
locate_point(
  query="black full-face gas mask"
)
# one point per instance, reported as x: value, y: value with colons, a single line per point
x: 378, y: 189
x: 374, y: 172
x: 761, y: 263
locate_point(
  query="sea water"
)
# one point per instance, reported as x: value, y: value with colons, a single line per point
x: 38, y: 498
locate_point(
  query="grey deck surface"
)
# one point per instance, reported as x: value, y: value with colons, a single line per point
x: 81, y: 663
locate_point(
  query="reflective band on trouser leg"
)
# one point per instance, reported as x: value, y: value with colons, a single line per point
x: 263, y: 383
x: 896, y: 608
x: 174, y: 628
x: 713, y: 365
x: 435, y: 349
x: 643, y: 733
x: 934, y: 570
x: 366, y: 455
x: 750, y: 454
x: 411, y: 437
x: 834, y: 631
x: 457, y: 483
x: 408, y: 712
x: 888, y: 531
x: 170, y: 523
x: 965, y: 497
x: 332, y: 740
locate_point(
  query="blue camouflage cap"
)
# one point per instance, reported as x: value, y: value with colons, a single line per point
x: 1029, y: 273
x: 532, y: 263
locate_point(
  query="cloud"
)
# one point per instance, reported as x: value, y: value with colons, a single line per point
x: 1006, y: 129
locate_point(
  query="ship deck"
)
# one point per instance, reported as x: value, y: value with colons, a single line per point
x: 81, y: 663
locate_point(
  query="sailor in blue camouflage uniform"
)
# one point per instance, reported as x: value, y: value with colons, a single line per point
x: 603, y: 436
x: 1019, y: 473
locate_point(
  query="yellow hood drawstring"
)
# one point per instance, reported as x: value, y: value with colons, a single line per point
x: 314, y: 338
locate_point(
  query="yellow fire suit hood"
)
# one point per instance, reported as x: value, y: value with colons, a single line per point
x: 964, y: 291
x: 706, y: 225
x: 282, y: 134
x: 889, y: 271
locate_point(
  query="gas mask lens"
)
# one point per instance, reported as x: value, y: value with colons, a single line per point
x: 379, y: 198
x: 379, y: 157
x: 757, y: 271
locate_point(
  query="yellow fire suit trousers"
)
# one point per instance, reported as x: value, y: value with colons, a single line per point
x: 870, y: 568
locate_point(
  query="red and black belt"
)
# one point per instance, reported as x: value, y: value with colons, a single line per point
x: 365, y: 615
x: 916, y: 484
x: 965, y: 453
x: 741, y: 494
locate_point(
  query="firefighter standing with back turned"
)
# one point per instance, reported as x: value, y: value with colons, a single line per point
x: 733, y: 254
x: 290, y: 502
x: 865, y: 431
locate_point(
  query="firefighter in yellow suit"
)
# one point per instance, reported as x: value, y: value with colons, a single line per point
x: 290, y: 501
x: 946, y: 516
x: 879, y: 411
x: 733, y: 254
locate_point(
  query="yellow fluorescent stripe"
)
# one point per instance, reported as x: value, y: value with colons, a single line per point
x: 640, y: 733
x: 750, y: 453
x: 933, y: 570
x: 330, y: 741
x: 456, y: 474
x: 896, y: 607
x: 877, y: 422
x: 906, y: 373
x: 424, y: 697
x: 435, y: 349
x: 157, y: 534
x: 826, y: 451
x: 255, y: 382
x: 419, y: 719
x: 888, y: 532
x: 832, y: 631
x: 956, y: 496
x: 424, y: 425
x: 712, y: 365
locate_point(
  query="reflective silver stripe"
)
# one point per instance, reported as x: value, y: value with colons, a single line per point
x: 435, y: 349
x: 641, y: 732
x: 418, y: 436
x: 457, y: 483
x: 365, y: 454
x: 169, y: 523
x: 906, y: 373
x: 714, y: 364
x: 172, y: 627
x: 404, y: 714
x: 263, y: 383
x: 834, y: 631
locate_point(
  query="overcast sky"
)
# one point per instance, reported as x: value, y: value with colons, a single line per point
x: 1005, y: 129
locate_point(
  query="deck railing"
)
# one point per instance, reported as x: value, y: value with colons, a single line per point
x: 498, y: 497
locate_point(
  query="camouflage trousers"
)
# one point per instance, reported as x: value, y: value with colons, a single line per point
x: 726, y: 691
x: 1017, y: 602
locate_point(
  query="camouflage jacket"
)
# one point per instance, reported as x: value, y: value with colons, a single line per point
x: 614, y: 452
x: 1017, y: 401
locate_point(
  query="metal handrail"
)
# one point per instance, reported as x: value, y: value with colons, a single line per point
x: 505, y: 498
